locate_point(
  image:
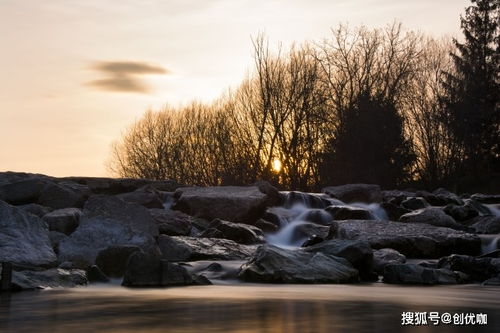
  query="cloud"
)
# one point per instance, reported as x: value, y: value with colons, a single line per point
x: 124, y: 76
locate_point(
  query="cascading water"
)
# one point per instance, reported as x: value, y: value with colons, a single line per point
x: 489, y: 243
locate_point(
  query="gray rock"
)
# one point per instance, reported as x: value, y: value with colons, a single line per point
x: 172, y: 222
x: 22, y: 191
x: 414, y: 240
x: 112, y: 261
x: 266, y: 226
x: 145, y: 196
x: 478, y: 269
x: 107, y: 221
x: 56, y: 238
x: 238, y: 232
x: 94, y: 274
x: 234, y: 203
x: 384, y: 257
x: 433, y: 216
x: 317, y: 216
x: 64, y: 195
x: 51, y: 278
x: 181, y: 248
x: 36, y: 209
x: 305, y: 230
x: 416, y: 274
x: 414, y: 203
x: 394, y: 212
x: 488, y: 224
x: 367, y: 193
x: 275, y: 265
x: 349, y: 213
x: 24, y: 238
x: 64, y: 220
x: 216, y: 270
x: 486, y: 198
x: 494, y: 281
x: 308, y: 200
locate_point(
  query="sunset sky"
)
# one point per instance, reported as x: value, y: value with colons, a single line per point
x: 76, y: 73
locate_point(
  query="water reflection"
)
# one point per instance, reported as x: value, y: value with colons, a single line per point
x: 240, y: 309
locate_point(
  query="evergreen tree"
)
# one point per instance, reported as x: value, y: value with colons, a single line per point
x: 471, y: 90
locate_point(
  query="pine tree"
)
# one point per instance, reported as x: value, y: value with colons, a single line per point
x: 471, y: 99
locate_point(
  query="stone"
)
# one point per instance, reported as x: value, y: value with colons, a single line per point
x: 313, y: 240
x: 271, y: 264
x: 215, y: 270
x: 266, y: 226
x: 489, y: 224
x: 486, y: 198
x: 94, y: 274
x: 239, y: 204
x: 107, y: 221
x: 64, y: 220
x: 349, y: 213
x: 393, y: 211
x: 366, y: 193
x: 238, y: 232
x: 478, y: 269
x: 23, y: 191
x: 24, y: 238
x: 433, y: 216
x: 494, y: 281
x: 180, y: 248
x: 36, y: 209
x: 172, y: 222
x: 63, y: 195
x: 51, y: 278
x: 358, y: 253
x: 416, y: 274
x: 112, y: 261
x: 316, y: 216
x: 384, y: 257
x: 145, y: 196
x: 414, y: 203
x: 56, y: 238
x: 414, y: 240
x: 466, y: 212
x: 309, y: 200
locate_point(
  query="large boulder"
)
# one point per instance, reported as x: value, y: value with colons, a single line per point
x: 146, y: 270
x: 240, y: 204
x: 478, y: 269
x: 181, y: 248
x: 393, y: 211
x: 107, y: 221
x: 172, y: 222
x: 433, y: 216
x: 355, y: 193
x: 276, y: 265
x: 238, y: 232
x: 146, y: 196
x: 112, y: 261
x: 468, y: 211
x: 63, y: 195
x: 414, y: 240
x: 384, y: 257
x: 488, y: 224
x: 36, y: 209
x: 416, y: 274
x: 358, y: 253
x: 24, y: 238
x: 296, y: 233
x: 349, y: 213
x: 51, y: 278
x: 22, y: 191
x: 309, y: 200
x: 64, y: 220
x: 414, y: 203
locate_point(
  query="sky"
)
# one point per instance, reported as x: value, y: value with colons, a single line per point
x: 74, y: 74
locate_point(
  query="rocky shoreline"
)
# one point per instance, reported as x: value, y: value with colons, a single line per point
x: 66, y: 232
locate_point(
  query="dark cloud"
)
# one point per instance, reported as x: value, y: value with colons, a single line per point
x: 124, y: 76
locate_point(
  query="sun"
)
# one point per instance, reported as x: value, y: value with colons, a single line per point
x: 276, y: 165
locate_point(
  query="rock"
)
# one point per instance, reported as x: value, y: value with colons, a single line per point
x: 107, y: 221
x: 358, y: 253
x: 234, y: 203
x: 384, y: 257
x: 94, y: 274
x: 486, y: 198
x: 145, y: 196
x: 238, y: 232
x: 280, y: 216
x: 294, y: 198
x: 172, y: 222
x: 416, y: 274
x: 64, y: 195
x: 266, y: 226
x: 366, y: 193
x: 488, y: 224
x: 23, y: 191
x: 394, y: 212
x: 24, y: 238
x: 146, y: 270
x: 466, y: 212
x: 349, y: 213
x: 317, y: 216
x: 275, y: 265
x: 112, y: 261
x: 414, y: 240
x: 414, y: 203
x: 433, y: 216
x: 64, y: 220
x: 494, y: 281
x: 218, y: 270
x: 181, y: 248
x: 396, y: 196
x: 305, y: 230
x: 440, y: 197
x: 36, y: 209
x: 51, y: 278
x: 313, y: 240
x: 56, y: 238
x: 478, y: 269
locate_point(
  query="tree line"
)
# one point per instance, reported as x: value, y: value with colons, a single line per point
x: 386, y: 106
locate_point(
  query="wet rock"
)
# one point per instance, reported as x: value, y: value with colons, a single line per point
x: 36, y: 209
x: 94, y: 274
x: 240, y: 204
x: 358, y: 253
x: 266, y: 226
x: 280, y: 216
x: 488, y: 224
x: 394, y: 212
x: 384, y: 257
x: 414, y: 240
x: 349, y: 213
x: 181, y: 248
x: 416, y: 274
x: 63, y: 195
x: 113, y: 260
x: 24, y: 238
x: 218, y: 270
x: 51, y: 278
x: 479, y: 269
x: 64, y: 220
x: 313, y: 240
x: 433, y: 216
x: 275, y: 265
x: 308, y: 200
x: 317, y: 216
x: 107, y: 221
x: 305, y: 230
x: 414, y: 203
x: 238, y: 232
x: 172, y: 222
x: 355, y: 193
